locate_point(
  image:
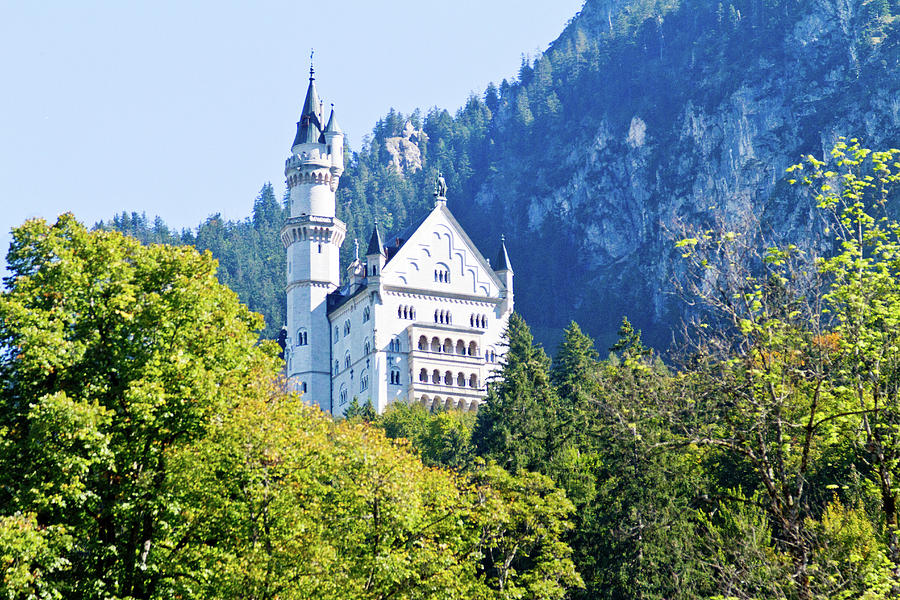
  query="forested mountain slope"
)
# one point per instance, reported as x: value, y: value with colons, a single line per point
x: 642, y: 115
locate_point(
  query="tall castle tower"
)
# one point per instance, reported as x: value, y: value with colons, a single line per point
x: 312, y: 236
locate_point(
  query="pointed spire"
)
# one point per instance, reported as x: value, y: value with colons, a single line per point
x: 309, y: 128
x: 332, y: 126
x: 375, y: 245
x: 503, y: 263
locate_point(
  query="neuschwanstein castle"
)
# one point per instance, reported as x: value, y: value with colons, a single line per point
x: 420, y: 316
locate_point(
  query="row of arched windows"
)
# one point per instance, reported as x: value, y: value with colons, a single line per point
x: 438, y: 403
x: 302, y: 338
x: 477, y: 321
x: 443, y: 316
x: 394, y: 345
x: 395, y: 376
x: 460, y: 380
x: 442, y: 275
x: 448, y: 346
x: 406, y: 312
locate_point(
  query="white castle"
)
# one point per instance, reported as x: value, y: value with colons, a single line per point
x: 419, y: 319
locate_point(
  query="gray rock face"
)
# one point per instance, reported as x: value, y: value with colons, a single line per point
x: 406, y: 157
x: 627, y: 181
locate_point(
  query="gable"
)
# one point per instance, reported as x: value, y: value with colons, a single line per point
x: 439, y: 256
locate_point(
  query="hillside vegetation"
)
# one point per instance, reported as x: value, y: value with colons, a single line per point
x: 643, y: 115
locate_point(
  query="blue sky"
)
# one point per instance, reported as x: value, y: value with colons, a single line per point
x: 184, y: 109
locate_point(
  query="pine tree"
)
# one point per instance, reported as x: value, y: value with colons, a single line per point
x: 512, y: 424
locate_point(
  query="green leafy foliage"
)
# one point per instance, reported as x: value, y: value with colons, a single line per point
x: 115, y: 354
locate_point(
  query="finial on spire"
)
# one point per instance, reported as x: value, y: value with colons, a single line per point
x: 312, y: 71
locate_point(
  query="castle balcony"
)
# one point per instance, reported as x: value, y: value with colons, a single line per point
x: 312, y: 228
x: 437, y: 397
x: 308, y: 219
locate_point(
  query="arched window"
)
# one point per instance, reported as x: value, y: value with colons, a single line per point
x: 399, y: 312
x: 347, y: 360
x: 343, y: 394
x: 436, y: 313
x: 412, y: 314
x: 435, y: 376
x: 395, y: 376
x: 364, y: 380
x: 366, y: 314
x: 448, y: 378
x: 449, y: 318
x: 423, y: 342
x: 347, y: 327
x: 460, y: 380
x: 435, y: 345
x: 423, y: 375
x: 473, y: 380
x: 448, y: 346
x: 460, y: 347
x: 303, y: 386
x: 337, y: 334
x: 301, y: 337
x: 337, y: 367
x: 368, y: 348
x: 473, y: 349
x: 442, y: 273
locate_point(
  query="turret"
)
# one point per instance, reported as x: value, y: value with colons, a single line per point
x: 375, y: 258
x: 503, y: 269
x: 334, y: 141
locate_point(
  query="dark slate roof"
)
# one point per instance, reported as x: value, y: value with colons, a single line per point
x: 309, y: 127
x: 502, y: 258
x: 332, y: 126
x: 395, y: 242
x: 375, y: 245
x: 340, y: 296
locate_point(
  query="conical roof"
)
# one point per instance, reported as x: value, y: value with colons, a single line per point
x: 332, y: 126
x: 309, y: 127
x: 503, y: 263
x: 375, y: 245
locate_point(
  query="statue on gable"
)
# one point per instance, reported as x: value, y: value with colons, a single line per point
x: 440, y: 186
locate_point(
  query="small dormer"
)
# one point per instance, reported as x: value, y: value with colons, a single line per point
x: 355, y: 270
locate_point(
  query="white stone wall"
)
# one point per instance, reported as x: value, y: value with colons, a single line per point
x: 438, y: 286
x: 355, y: 343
